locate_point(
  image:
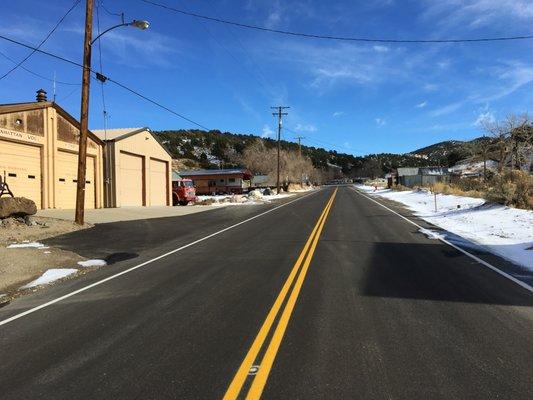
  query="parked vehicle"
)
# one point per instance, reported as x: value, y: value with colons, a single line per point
x: 183, y: 192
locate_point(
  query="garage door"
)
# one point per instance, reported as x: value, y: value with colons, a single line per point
x: 21, y: 164
x: 67, y: 178
x: 158, y: 183
x: 131, y: 180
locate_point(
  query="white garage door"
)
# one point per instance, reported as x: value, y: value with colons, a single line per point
x: 21, y: 164
x: 131, y: 180
x: 158, y: 183
x: 67, y: 178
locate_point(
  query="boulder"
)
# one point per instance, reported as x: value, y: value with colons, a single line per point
x: 16, y: 207
x: 255, y: 194
x: 267, y: 192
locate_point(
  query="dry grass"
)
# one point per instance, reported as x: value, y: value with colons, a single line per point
x: 511, y: 188
x: 400, y: 188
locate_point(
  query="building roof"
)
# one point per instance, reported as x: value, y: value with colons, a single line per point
x: 118, y: 133
x: 407, y: 171
x: 35, y: 105
x: 207, y: 172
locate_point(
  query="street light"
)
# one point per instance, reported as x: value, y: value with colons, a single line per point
x: 84, y: 113
x: 139, y: 24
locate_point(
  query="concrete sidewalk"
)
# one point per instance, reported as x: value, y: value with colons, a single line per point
x: 103, y: 215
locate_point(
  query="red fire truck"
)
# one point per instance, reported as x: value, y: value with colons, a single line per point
x: 183, y: 192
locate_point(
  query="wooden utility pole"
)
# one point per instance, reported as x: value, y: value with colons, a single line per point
x: 84, y: 114
x: 299, y: 138
x: 279, y: 114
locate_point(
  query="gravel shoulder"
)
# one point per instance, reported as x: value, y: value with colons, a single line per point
x: 21, y: 265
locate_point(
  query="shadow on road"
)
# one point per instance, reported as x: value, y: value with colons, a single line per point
x: 437, y: 272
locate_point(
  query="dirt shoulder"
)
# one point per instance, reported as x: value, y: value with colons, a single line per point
x: 22, y: 265
x: 44, y: 228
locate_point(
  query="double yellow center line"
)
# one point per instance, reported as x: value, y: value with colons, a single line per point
x: 298, y: 273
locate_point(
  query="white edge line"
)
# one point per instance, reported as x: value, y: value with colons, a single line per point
x: 479, y: 260
x: 83, y: 289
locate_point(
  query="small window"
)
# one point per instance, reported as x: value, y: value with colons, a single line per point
x: 231, y: 180
x: 12, y: 174
x: 75, y: 180
x: 61, y: 179
x: 31, y: 176
x: 221, y: 180
x: 88, y: 182
x: 18, y: 121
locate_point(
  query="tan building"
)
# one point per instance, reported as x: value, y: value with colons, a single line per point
x: 38, y: 155
x: 137, y: 168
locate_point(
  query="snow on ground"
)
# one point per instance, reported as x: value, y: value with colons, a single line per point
x: 235, y: 200
x: 92, y: 263
x: 503, y: 230
x: 35, y: 245
x: 50, y: 276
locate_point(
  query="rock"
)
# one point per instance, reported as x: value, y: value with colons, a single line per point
x: 267, y: 192
x: 29, y: 221
x: 255, y: 194
x: 8, y: 222
x: 16, y: 207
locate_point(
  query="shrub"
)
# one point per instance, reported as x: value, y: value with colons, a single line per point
x: 512, y: 188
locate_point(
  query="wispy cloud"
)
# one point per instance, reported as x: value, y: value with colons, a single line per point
x: 337, y: 114
x: 477, y: 13
x: 381, y: 48
x: 485, y: 117
x: 380, y: 121
x: 430, y: 87
x: 447, y: 109
x: 267, y: 131
x: 421, y: 105
x: 305, y: 128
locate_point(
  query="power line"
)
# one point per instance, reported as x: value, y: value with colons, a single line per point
x: 102, y: 82
x: 235, y: 58
x: 107, y: 78
x: 101, y: 4
x: 42, y: 41
x: 36, y: 74
x: 328, y: 37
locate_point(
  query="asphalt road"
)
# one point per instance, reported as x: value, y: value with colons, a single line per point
x: 327, y: 297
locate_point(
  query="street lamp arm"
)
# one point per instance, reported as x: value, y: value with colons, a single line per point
x: 107, y: 30
x: 139, y: 24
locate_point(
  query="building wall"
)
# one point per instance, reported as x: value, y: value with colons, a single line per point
x: 53, y: 135
x: 204, y: 183
x: 151, y: 152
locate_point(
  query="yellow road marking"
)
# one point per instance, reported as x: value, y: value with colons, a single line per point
x: 240, y: 377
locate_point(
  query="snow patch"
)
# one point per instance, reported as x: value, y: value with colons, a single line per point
x: 50, y: 276
x: 35, y: 245
x: 92, y: 263
x: 430, y: 234
x: 502, y: 230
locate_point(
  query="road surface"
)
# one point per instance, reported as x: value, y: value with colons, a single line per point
x: 328, y: 296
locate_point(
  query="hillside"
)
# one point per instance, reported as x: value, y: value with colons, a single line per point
x: 215, y: 149
x: 449, y: 152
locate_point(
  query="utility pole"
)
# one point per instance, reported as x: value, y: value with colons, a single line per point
x: 299, y: 138
x: 279, y: 114
x: 84, y: 114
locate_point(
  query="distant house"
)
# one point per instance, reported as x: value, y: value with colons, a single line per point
x: 213, y: 181
x: 422, y: 176
x: 260, y: 181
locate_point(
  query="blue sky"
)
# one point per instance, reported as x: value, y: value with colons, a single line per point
x: 352, y: 97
